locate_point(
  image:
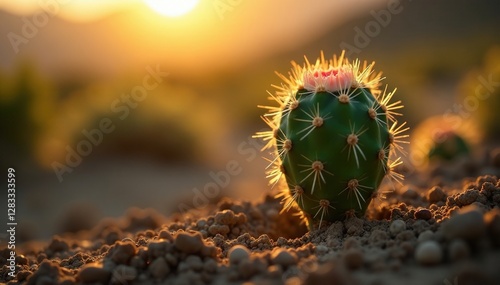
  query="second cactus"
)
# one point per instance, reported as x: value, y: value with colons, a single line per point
x: 334, y: 137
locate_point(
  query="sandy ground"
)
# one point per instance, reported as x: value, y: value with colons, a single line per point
x: 441, y: 227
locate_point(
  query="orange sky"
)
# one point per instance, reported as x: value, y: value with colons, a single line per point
x: 119, y: 35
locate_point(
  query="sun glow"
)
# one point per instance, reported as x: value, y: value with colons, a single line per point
x: 172, y: 8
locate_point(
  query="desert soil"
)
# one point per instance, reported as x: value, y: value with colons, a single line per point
x: 441, y: 227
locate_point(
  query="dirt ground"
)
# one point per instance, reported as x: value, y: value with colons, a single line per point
x: 441, y: 227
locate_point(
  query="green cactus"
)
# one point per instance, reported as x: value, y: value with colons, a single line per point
x: 449, y: 147
x: 333, y: 136
x: 440, y: 139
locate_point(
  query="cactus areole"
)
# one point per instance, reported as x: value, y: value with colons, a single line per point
x: 334, y: 137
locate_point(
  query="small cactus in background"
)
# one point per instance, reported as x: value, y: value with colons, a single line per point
x: 334, y: 137
x: 442, y: 138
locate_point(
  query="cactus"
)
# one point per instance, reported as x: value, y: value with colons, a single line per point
x: 334, y: 137
x: 442, y: 138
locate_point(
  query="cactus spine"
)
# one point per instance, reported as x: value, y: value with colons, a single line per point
x: 334, y: 137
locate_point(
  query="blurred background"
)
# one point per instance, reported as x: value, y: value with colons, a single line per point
x: 65, y: 66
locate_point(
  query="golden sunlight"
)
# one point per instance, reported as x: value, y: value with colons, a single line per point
x: 172, y: 8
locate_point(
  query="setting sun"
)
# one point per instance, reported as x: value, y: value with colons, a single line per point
x: 172, y: 8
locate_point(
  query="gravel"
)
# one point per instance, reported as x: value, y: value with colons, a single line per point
x: 234, y: 242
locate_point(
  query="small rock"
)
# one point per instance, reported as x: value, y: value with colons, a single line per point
x: 246, y: 269
x: 428, y: 253
x: 22, y: 275
x: 321, y: 249
x: 218, y: 229
x: 458, y: 249
x: 283, y: 257
x: 423, y: 214
x: 436, y: 194
x: 226, y: 217
x: 123, y: 252
x: 238, y: 253
x: 93, y: 273
x: 210, y: 265
x: 425, y: 236
x: 467, y: 223
x: 188, y: 243
x: 159, y: 268
x: 468, y: 197
x: 396, y: 227
x: 157, y: 249
x: 351, y: 242
x: 194, y: 262
x: 210, y: 251
x: 137, y: 262
x: 58, y: 245
x: 353, y: 258
x: 164, y: 234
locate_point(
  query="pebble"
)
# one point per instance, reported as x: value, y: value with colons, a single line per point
x: 396, y: 227
x: 351, y: 242
x: 321, y: 249
x: 58, y: 245
x: 164, y: 234
x: 425, y: 236
x: 458, y: 249
x: 284, y: 257
x: 467, y: 223
x: 238, y: 253
x: 246, y: 269
x: 353, y: 258
x: 159, y: 268
x: 123, y: 252
x: 188, y: 243
x: 468, y: 197
x: 93, y: 273
x: 423, y: 214
x: 23, y: 275
x: 428, y: 253
x: 157, y: 249
x: 436, y: 194
x: 226, y: 217
x: 218, y: 229
x: 194, y: 262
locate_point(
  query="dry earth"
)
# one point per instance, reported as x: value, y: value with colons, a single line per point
x: 441, y: 227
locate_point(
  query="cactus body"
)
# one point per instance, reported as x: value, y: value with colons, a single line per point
x: 333, y: 136
x: 450, y: 146
x: 440, y: 139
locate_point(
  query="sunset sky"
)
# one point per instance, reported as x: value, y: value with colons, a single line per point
x: 120, y: 35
